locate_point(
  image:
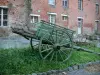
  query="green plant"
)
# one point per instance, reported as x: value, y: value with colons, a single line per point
x: 26, y: 61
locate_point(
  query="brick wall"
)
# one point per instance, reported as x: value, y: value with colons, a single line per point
x: 41, y: 7
x: 88, y: 14
x: 15, y: 15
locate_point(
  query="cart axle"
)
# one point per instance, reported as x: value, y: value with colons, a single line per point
x: 84, y: 49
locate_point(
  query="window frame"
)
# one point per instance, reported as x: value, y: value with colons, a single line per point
x: 52, y: 14
x: 33, y: 15
x: 53, y: 2
x: 64, y: 3
x: 63, y: 15
x: 97, y: 8
x: 80, y: 5
x: 50, y: 18
x: 2, y: 16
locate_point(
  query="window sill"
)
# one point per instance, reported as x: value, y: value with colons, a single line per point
x: 80, y: 9
x: 64, y: 20
x: 66, y: 8
x: 3, y: 26
x: 52, y: 5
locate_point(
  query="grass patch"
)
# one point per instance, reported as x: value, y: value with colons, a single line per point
x: 26, y: 61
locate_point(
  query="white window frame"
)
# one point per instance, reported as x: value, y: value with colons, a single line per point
x: 3, y: 7
x: 52, y: 2
x: 80, y: 4
x: 80, y: 18
x: 33, y: 17
x: 63, y: 15
x: 97, y: 8
x: 50, y: 14
x: 64, y: 3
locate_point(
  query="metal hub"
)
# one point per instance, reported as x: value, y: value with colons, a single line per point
x: 56, y: 47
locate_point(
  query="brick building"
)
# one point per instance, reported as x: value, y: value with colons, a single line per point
x: 80, y: 15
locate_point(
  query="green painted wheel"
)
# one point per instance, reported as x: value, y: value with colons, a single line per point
x: 58, y: 47
x: 31, y: 43
x: 33, y: 46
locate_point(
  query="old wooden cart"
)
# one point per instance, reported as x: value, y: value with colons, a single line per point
x: 55, y: 43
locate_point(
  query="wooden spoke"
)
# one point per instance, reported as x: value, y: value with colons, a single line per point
x: 68, y: 56
x: 48, y: 40
x: 56, y: 56
x: 61, y: 55
x: 66, y: 50
x: 46, y: 50
x: 48, y: 54
x: 64, y: 53
x: 52, y: 56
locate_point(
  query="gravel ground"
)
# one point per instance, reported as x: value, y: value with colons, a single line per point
x: 92, y: 68
x: 89, y: 70
x: 82, y: 72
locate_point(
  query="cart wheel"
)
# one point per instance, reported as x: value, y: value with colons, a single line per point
x: 32, y: 44
x: 56, y: 48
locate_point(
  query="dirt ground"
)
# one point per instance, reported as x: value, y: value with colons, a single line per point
x: 93, y: 68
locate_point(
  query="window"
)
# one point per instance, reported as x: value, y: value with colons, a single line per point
x: 35, y: 18
x: 51, y: 2
x: 97, y: 8
x: 80, y: 4
x: 64, y: 18
x: 3, y: 16
x: 52, y: 18
x: 65, y: 3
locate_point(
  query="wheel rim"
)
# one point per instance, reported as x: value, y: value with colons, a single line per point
x: 33, y: 46
x: 58, y: 50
